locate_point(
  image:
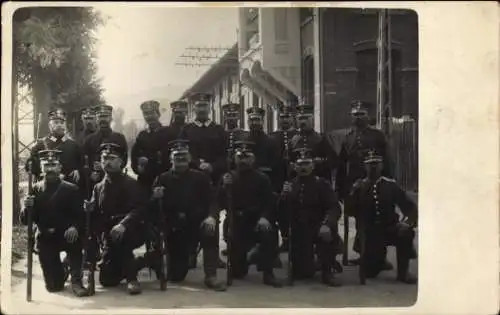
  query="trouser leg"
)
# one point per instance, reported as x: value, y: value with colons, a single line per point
x: 52, y: 267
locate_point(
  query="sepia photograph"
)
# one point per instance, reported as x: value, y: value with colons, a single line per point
x: 214, y: 157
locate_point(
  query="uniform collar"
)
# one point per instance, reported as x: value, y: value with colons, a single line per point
x: 63, y: 139
x: 202, y: 124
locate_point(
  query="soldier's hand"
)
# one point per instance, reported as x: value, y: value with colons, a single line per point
x: 95, y: 176
x: 75, y: 175
x: 325, y: 233
x: 287, y: 187
x: 204, y: 166
x: 88, y: 206
x: 97, y: 166
x: 209, y: 225
x: 61, y: 176
x: 227, y: 179
x: 141, y: 164
x: 263, y: 225
x: 71, y: 234
x: 117, y: 232
x: 158, y: 192
x: 29, y: 201
x: 403, y: 226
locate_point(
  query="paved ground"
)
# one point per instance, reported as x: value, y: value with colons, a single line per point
x: 383, y: 291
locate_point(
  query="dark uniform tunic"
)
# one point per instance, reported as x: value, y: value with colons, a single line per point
x: 320, y: 149
x: 311, y: 203
x: 57, y: 207
x: 281, y: 138
x: 252, y: 198
x: 374, y: 203
x: 147, y: 145
x: 207, y: 143
x: 71, y: 157
x: 265, y: 150
x: 82, y: 135
x: 186, y: 203
x: 119, y: 200
x: 165, y: 135
x: 93, y: 142
x: 352, y: 153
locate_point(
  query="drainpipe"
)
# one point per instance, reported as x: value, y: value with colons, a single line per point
x: 319, y: 119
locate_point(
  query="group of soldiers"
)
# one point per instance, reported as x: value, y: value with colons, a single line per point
x: 290, y: 182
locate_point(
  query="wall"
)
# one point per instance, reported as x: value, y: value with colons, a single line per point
x: 346, y: 31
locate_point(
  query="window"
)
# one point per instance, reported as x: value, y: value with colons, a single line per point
x: 308, y: 79
x: 229, y: 86
x: 280, y: 24
x: 255, y: 100
x: 242, y: 111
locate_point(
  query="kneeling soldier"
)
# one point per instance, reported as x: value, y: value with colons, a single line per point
x: 374, y: 200
x: 187, y: 196
x: 313, y: 211
x: 250, y: 216
x: 118, y: 207
x: 57, y: 210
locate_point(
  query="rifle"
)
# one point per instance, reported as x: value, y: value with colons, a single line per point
x: 30, y: 237
x: 286, y: 158
x: 89, y: 236
x: 162, y: 242
x: 229, y: 216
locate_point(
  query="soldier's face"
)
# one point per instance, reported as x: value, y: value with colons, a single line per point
x: 244, y: 160
x: 51, y: 170
x: 89, y: 122
x: 359, y: 118
x: 202, y: 111
x: 304, y: 121
x: 255, y: 122
x: 180, y: 161
x: 373, y: 169
x: 231, y: 122
x: 179, y: 116
x: 111, y: 163
x: 304, y: 167
x: 151, y: 117
x: 57, y: 127
x: 285, y: 122
x: 104, y: 120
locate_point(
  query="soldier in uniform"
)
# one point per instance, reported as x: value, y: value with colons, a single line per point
x: 71, y: 158
x: 103, y: 134
x: 325, y: 157
x: 118, y: 208
x: 57, y: 210
x: 251, y: 214
x: 206, y: 139
x: 231, y: 114
x: 282, y: 137
x: 187, y: 197
x: 313, y: 210
x: 145, y: 155
x: 89, y: 124
x: 357, y: 142
x: 374, y: 199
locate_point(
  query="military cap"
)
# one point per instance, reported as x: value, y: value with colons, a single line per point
x: 57, y: 113
x: 243, y: 146
x: 112, y: 149
x: 285, y: 110
x: 50, y: 156
x: 305, y: 110
x: 303, y: 153
x: 103, y: 109
x: 87, y: 112
x: 358, y: 106
x: 231, y: 110
x: 179, y: 146
x: 150, y: 106
x: 179, y: 106
x: 201, y: 98
x: 372, y: 157
x: 256, y: 111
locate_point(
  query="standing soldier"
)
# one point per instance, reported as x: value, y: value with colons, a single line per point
x: 207, y: 144
x: 252, y: 212
x: 118, y: 207
x: 104, y: 134
x: 231, y: 114
x: 325, y: 157
x: 356, y: 144
x: 144, y: 157
x: 57, y: 209
x: 313, y: 211
x: 374, y: 199
x: 89, y: 124
x: 185, y: 217
x: 71, y: 158
x: 282, y: 138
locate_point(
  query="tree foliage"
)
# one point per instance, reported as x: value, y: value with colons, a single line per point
x: 57, y: 44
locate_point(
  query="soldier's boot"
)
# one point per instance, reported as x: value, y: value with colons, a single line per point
x: 133, y: 287
x: 404, y: 274
x: 328, y: 278
x: 270, y: 280
x: 214, y: 284
x: 337, y: 266
x: 78, y: 289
